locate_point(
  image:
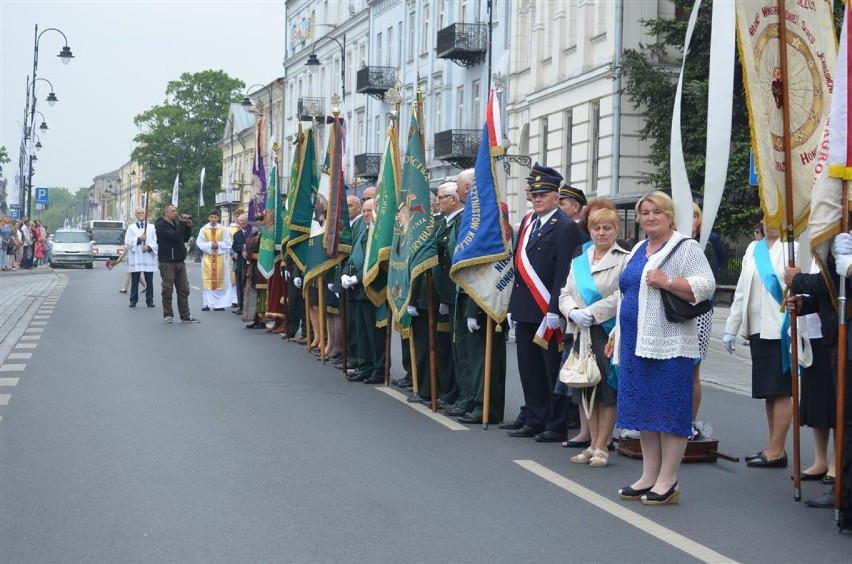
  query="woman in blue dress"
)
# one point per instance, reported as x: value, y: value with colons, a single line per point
x: 656, y: 356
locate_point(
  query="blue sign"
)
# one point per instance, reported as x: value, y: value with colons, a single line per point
x: 15, y: 214
x: 752, y: 169
x: 41, y: 196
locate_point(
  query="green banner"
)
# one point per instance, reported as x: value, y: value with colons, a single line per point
x: 266, y: 256
x: 384, y: 220
x: 300, y: 208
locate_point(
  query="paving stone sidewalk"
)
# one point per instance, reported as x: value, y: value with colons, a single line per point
x: 21, y: 294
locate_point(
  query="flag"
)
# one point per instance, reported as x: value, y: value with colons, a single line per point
x: 175, y: 190
x: 833, y: 158
x: 330, y: 236
x: 257, y: 198
x: 229, y: 187
x: 482, y: 260
x: 266, y: 255
x: 201, y: 189
x: 811, y: 62
x: 300, y: 209
x: 384, y: 219
x: 414, y: 249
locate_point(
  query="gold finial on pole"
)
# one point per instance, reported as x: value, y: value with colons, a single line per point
x: 393, y: 96
x: 335, y: 105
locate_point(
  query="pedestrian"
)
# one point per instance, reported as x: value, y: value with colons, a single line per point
x: 140, y: 250
x: 26, y: 260
x: 214, y: 242
x: 172, y: 235
x: 239, y: 242
x: 5, y: 240
x: 656, y: 355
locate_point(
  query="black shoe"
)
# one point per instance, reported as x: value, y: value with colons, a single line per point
x: 256, y: 325
x: 572, y: 424
x: 418, y: 399
x: 805, y: 477
x: 238, y: 312
x: 670, y: 497
x: 825, y: 501
x: 469, y: 419
x: 828, y: 480
x: 219, y: 309
x: 763, y: 462
x: 629, y: 493
x: 132, y: 304
x: 455, y: 412
x: 549, y: 437
x: 512, y: 425
x: 356, y: 378
x: 402, y: 382
x: 235, y: 306
x: 205, y: 308
x: 755, y: 456
x: 151, y: 304
x: 524, y: 432
x: 576, y: 444
x: 375, y: 380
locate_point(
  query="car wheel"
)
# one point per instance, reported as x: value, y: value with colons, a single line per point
x: 90, y: 266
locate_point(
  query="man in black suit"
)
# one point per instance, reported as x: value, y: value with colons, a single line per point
x: 237, y: 245
x: 547, y: 240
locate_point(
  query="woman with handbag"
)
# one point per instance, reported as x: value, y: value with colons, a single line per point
x: 756, y: 315
x: 655, y: 343
x: 589, y: 302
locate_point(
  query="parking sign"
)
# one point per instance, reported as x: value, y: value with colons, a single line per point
x: 41, y: 196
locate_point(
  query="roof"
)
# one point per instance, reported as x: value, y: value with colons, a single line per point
x: 242, y: 119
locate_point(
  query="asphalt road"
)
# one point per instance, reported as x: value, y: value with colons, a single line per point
x: 129, y: 440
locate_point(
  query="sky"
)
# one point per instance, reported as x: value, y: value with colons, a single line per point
x: 125, y: 53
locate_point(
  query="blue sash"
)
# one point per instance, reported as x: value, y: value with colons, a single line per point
x: 586, y: 286
x: 773, y: 286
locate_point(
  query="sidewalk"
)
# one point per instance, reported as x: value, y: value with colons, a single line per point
x: 21, y: 294
x: 730, y: 372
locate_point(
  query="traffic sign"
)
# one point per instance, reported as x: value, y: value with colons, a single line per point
x: 752, y: 169
x: 41, y: 196
x: 15, y: 214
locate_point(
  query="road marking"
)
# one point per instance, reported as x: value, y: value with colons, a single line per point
x: 680, y: 542
x: 4, y: 399
x: 34, y: 330
x: 196, y: 288
x: 19, y: 356
x: 442, y: 419
x: 9, y: 381
x: 30, y: 337
x: 41, y: 317
x: 26, y: 345
x: 13, y: 367
x: 38, y: 323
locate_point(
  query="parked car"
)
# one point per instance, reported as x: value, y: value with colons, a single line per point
x: 71, y: 247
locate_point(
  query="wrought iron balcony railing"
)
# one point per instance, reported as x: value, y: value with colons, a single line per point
x: 466, y: 44
x: 367, y: 165
x: 375, y: 81
x: 458, y: 146
x: 310, y: 107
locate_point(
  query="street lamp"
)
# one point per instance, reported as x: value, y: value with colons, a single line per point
x: 51, y: 98
x: 43, y: 127
x: 313, y: 60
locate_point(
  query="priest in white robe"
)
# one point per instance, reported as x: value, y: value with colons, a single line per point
x: 214, y: 240
x: 140, y: 245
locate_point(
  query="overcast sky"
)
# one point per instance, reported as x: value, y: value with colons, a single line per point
x: 125, y: 54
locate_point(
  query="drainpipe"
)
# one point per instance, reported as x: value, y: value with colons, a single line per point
x: 616, y: 103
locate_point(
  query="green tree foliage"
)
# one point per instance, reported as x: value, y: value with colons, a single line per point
x: 62, y: 205
x: 650, y: 78
x: 4, y: 158
x: 178, y: 134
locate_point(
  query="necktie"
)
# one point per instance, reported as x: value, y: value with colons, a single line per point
x: 536, y: 226
x: 139, y: 224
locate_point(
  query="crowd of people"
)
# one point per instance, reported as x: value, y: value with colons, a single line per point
x: 24, y: 244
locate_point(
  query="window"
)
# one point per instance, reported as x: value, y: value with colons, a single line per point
x: 594, y: 144
x: 377, y: 134
x: 600, y: 18
x: 438, y: 109
x: 424, y: 40
x: 440, y: 22
x: 543, y: 136
x: 390, y: 61
x: 568, y: 124
x: 477, y: 102
x: 459, y: 107
x: 359, y: 138
x: 379, y: 49
x: 411, y: 35
x: 462, y: 11
x: 399, y: 45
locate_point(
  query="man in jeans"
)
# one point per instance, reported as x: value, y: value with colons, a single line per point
x: 172, y: 235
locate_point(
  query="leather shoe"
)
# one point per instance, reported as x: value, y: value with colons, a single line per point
x: 417, y: 399
x: 375, y: 380
x: 763, y: 462
x: 402, y: 382
x: 256, y: 325
x: 454, y: 412
x: 524, y: 432
x: 825, y: 501
x: 356, y: 378
x: 576, y: 444
x: 805, y: 477
x: 151, y: 304
x: 469, y: 419
x: 549, y: 437
x: 205, y: 308
x: 513, y: 425
x: 755, y: 456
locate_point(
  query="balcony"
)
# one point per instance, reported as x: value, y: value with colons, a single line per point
x: 464, y: 44
x: 305, y: 105
x: 458, y: 146
x: 367, y: 165
x: 222, y: 197
x: 375, y: 81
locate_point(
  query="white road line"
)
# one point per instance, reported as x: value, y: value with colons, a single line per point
x: 34, y: 330
x: 680, y: 542
x: 41, y: 317
x: 197, y: 288
x: 38, y: 323
x: 442, y: 419
x: 19, y: 356
x: 13, y: 367
x: 9, y: 381
x: 30, y: 337
x: 26, y: 345
x: 4, y: 399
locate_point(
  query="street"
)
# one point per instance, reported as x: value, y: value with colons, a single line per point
x: 124, y: 439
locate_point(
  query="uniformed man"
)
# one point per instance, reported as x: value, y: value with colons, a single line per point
x: 571, y: 201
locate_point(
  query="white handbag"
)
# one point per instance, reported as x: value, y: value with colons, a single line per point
x: 581, y: 368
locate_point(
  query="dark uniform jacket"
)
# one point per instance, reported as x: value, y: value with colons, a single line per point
x: 171, y: 240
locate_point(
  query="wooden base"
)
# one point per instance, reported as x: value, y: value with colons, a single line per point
x: 705, y: 450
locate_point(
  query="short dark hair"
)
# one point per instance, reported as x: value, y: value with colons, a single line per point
x: 213, y: 212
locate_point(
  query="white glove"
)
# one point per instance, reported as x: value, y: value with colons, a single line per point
x: 297, y: 282
x: 344, y: 281
x: 412, y: 311
x: 511, y: 323
x: 842, y: 264
x: 582, y: 317
x: 353, y: 281
x: 330, y: 287
x: 730, y: 343
x: 286, y: 275
x: 472, y: 325
x: 443, y: 309
x: 553, y: 321
x: 842, y: 244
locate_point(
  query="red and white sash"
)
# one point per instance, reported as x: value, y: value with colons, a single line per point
x: 539, y: 291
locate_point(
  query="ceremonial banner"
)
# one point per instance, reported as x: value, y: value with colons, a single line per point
x: 831, y: 168
x: 482, y: 260
x: 300, y: 209
x: 175, y: 190
x: 811, y: 53
x: 201, y: 189
x: 330, y: 237
x: 229, y: 187
x: 414, y: 249
x: 257, y: 198
x: 266, y: 256
x: 384, y: 219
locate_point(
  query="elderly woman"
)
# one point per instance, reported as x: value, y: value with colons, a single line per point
x: 656, y: 355
x: 589, y: 301
x: 756, y: 315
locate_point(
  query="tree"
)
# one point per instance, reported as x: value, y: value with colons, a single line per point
x: 62, y: 205
x: 4, y: 158
x: 196, y: 106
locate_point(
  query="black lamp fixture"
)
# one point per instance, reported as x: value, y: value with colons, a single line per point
x: 313, y: 60
x: 66, y: 55
x: 38, y: 145
x: 211, y: 133
x: 51, y: 98
x: 43, y: 126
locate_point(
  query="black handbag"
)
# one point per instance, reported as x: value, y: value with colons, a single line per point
x: 678, y: 310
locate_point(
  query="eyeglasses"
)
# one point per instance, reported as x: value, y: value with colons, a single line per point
x: 445, y: 196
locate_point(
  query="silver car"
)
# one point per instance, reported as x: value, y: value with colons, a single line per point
x: 71, y: 247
